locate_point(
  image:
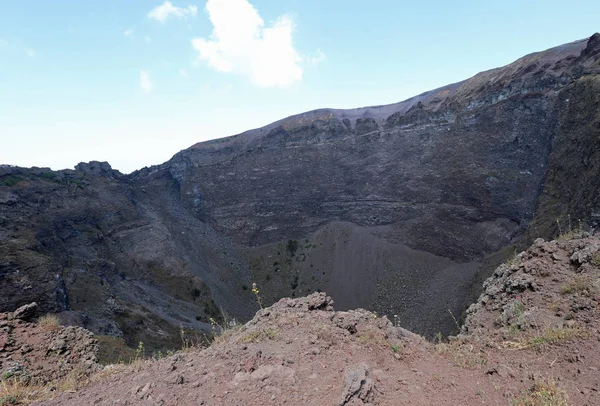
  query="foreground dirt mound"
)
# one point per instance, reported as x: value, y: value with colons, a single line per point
x: 531, y: 339
x: 551, y: 287
x: 43, y: 351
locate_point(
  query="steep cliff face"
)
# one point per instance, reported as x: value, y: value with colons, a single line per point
x: 392, y: 208
x: 463, y: 164
x: 571, y: 191
x: 118, y: 258
x: 432, y: 185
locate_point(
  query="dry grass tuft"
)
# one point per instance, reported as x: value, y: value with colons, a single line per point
x: 463, y: 354
x: 373, y: 339
x: 49, y: 322
x: 556, y: 335
x: 15, y: 392
x: 226, y: 335
x: 257, y: 335
x: 543, y: 394
x: 554, y: 307
x: 579, y: 284
x: 74, y: 380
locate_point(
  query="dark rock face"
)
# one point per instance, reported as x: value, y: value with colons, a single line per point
x: 119, y: 258
x: 455, y: 172
x: 389, y: 207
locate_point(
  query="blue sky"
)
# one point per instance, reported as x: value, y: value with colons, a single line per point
x: 133, y: 82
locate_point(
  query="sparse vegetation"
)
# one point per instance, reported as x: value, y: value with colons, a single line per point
x: 14, y: 392
x: 10, y: 180
x: 74, y: 380
x: 8, y: 400
x: 292, y: 247
x: 222, y: 331
x: 456, y: 323
x: 48, y: 176
x: 463, y: 354
x: 397, y: 348
x: 554, y: 306
x: 17, y: 392
x: 518, y: 322
x: 579, y: 284
x: 556, y: 335
x: 569, y: 232
x: 514, y: 259
x: 256, y: 335
x: 543, y: 394
x: 49, y: 322
x: 373, y: 338
x: 257, y: 294
x: 139, y: 351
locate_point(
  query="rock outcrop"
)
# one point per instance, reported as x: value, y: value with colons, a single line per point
x: 38, y: 353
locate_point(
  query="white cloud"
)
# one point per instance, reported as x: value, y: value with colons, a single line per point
x: 3, y: 42
x: 162, y: 12
x: 30, y: 52
x: 315, y: 58
x: 128, y: 32
x: 147, y: 39
x: 183, y: 72
x: 145, y: 81
x: 241, y: 44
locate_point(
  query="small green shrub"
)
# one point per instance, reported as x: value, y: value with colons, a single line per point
x: 10, y: 180
x: 292, y: 247
x: 9, y: 400
x: 48, y: 175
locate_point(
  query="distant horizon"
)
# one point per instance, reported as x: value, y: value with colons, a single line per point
x: 133, y: 84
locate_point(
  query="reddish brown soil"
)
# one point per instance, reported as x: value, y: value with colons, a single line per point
x: 537, y: 322
x: 30, y: 352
